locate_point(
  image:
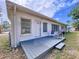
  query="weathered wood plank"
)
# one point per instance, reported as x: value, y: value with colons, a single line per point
x: 60, y: 45
x: 34, y: 48
x: 28, y: 54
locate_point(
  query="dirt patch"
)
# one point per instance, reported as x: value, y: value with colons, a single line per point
x: 71, y: 50
x: 13, y: 54
x: 6, y: 52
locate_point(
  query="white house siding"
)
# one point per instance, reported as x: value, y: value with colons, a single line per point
x: 35, y: 21
x: 13, y: 28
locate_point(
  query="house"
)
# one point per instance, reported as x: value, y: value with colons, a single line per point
x: 31, y: 27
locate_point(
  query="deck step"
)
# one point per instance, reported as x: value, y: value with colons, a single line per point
x: 60, y: 45
x: 34, y: 50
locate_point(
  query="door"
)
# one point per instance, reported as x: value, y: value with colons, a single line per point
x: 37, y: 28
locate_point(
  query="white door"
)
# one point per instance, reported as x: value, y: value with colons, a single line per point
x: 37, y: 28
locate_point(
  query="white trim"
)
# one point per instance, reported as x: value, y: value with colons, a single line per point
x: 25, y: 9
x: 30, y: 29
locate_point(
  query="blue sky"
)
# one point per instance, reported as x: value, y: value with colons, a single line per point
x: 57, y: 9
x: 62, y: 15
x: 3, y: 11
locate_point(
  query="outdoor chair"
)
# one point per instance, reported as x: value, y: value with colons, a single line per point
x: 58, y: 35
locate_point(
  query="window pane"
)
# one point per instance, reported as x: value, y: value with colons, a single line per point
x: 25, y: 26
x: 44, y: 27
x: 52, y: 32
x: 54, y: 28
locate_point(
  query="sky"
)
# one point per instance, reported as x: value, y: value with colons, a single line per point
x: 3, y: 10
x: 62, y: 15
x: 56, y: 9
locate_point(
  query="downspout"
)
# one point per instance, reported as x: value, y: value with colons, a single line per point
x: 14, y: 23
x: 40, y: 28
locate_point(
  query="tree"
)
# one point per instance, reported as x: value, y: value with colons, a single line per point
x: 75, y: 13
x: 68, y: 22
x: 0, y: 28
x: 75, y: 16
x: 6, y: 25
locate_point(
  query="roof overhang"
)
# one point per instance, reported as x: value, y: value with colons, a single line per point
x: 25, y: 9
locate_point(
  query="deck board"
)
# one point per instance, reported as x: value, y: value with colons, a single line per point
x: 34, y: 48
x: 60, y: 45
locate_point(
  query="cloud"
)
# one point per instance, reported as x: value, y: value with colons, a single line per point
x: 46, y: 7
x: 57, y: 19
x: 73, y: 2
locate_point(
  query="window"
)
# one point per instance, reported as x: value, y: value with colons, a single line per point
x: 52, y: 31
x: 25, y: 26
x: 55, y: 28
x: 44, y: 27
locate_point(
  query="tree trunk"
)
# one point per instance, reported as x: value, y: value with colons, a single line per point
x: 0, y: 30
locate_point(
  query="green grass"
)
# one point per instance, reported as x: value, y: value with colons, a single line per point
x: 71, y: 40
x: 71, y: 50
x: 6, y: 52
x: 4, y: 42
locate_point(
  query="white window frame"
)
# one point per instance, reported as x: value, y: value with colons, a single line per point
x: 30, y: 26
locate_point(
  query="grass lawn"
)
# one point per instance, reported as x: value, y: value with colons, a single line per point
x: 4, y: 42
x: 70, y: 51
x: 5, y: 50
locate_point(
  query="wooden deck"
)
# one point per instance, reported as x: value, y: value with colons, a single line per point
x: 60, y: 45
x: 34, y: 48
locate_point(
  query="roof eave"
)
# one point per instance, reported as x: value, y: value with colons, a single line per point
x: 32, y: 12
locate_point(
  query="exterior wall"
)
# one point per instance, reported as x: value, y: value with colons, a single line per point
x: 12, y: 31
x: 16, y: 35
x: 34, y: 19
